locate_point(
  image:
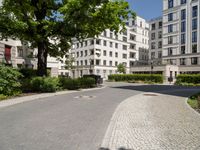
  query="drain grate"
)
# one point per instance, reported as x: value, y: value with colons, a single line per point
x: 84, y: 97
x: 150, y: 95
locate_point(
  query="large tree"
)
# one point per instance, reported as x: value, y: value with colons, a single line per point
x: 50, y: 25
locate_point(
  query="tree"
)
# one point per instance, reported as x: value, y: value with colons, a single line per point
x: 121, y: 68
x: 50, y: 25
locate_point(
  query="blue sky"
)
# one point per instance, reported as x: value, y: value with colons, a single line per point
x: 147, y: 9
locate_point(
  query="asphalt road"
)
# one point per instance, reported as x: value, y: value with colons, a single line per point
x: 76, y: 121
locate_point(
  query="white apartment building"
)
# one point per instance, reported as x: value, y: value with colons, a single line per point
x: 155, y: 41
x: 19, y: 55
x: 102, y: 55
x: 181, y: 34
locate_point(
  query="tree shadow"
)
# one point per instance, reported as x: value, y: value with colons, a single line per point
x: 173, y: 90
x: 121, y: 148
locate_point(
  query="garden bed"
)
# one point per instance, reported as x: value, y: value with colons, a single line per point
x: 194, y: 102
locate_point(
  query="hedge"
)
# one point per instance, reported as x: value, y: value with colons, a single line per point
x: 9, y: 81
x: 188, y: 79
x: 136, y: 77
x: 74, y: 84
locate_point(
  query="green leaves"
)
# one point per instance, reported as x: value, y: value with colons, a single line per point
x: 45, y: 21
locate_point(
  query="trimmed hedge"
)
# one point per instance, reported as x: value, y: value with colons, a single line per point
x: 136, y: 77
x: 188, y: 79
x: 74, y: 84
x: 44, y: 84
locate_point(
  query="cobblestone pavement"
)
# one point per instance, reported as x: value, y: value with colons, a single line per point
x: 154, y: 122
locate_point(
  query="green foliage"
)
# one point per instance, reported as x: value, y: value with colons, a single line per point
x: 9, y: 81
x: 28, y: 73
x: 194, y: 101
x: 121, y: 68
x: 74, y: 84
x: 44, y: 84
x: 188, y: 80
x: 87, y: 82
x: 36, y: 22
x: 136, y: 77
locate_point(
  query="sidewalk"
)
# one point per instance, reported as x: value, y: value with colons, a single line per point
x: 23, y: 99
x: 152, y: 121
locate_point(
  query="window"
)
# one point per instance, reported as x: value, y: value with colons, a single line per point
x: 116, y: 55
x: 110, y: 54
x: 92, y: 42
x: 182, y: 61
x: 111, y: 44
x: 104, y: 62
x: 91, y: 52
x: 160, y: 24
x: 19, y: 51
x: 86, y: 43
x: 170, y: 28
x: 194, y: 24
x: 183, y: 49
x: 116, y: 45
x: 132, y: 37
x: 105, y: 33
x: 124, y: 47
x: 183, y: 26
x: 183, y: 1
x: 194, y: 11
x: 86, y: 62
x: 132, y: 46
x: 77, y: 54
x: 170, y: 52
x: 104, y: 43
x: 124, y: 56
x: 86, y: 53
x: 153, y: 26
x: 125, y: 39
x: 153, y: 45
x: 159, y: 54
x: 98, y: 41
x: 81, y: 53
x: 170, y: 40
x: 160, y: 44
x: 194, y: 61
x: 194, y: 37
x: 98, y: 62
x: 111, y: 35
x: 170, y: 3
x: 153, y: 54
x: 194, y: 48
x: 153, y: 36
x: 116, y: 63
x: 170, y: 17
x: 183, y: 38
x: 104, y: 53
x: 132, y: 55
x: 110, y: 63
x: 160, y: 34
x: 183, y: 14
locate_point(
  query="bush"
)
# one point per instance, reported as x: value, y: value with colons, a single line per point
x: 87, y: 82
x: 9, y: 81
x: 2, y: 97
x: 44, y: 84
x: 156, y: 78
x: 74, y: 84
x: 188, y: 79
x: 28, y: 73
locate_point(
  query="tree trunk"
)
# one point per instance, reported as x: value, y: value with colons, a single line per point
x: 42, y: 59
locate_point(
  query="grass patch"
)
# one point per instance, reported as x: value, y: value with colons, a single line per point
x: 3, y: 97
x: 193, y: 101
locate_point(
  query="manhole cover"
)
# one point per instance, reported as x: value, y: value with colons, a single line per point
x: 150, y: 95
x: 84, y: 97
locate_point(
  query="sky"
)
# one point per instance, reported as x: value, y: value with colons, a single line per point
x: 147, y: 9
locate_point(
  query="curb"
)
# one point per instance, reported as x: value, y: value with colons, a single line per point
x: 18, y: 100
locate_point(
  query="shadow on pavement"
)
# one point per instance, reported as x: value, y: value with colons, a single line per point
x: 117, y: 149
x: 162, y: 89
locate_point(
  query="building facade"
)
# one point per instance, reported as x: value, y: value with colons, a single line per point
x: 103, y: 54
x: 155, y: 41
x: 181, y: 36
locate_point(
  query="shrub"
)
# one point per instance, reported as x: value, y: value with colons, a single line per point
x: 70, y: 84
x: 188, y: 79
x: 2, y: 97
x: 9, y: 81
x: 44, y: 84
x: 87, y: 82
x: 156, y: 78
x: 74, y: 84
x: 28, y: 73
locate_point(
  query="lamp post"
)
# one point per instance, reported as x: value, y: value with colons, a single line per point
x: 151, y: 69
x: 90, y: 66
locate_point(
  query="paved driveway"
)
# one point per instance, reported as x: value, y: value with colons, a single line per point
x: 76, y: 121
